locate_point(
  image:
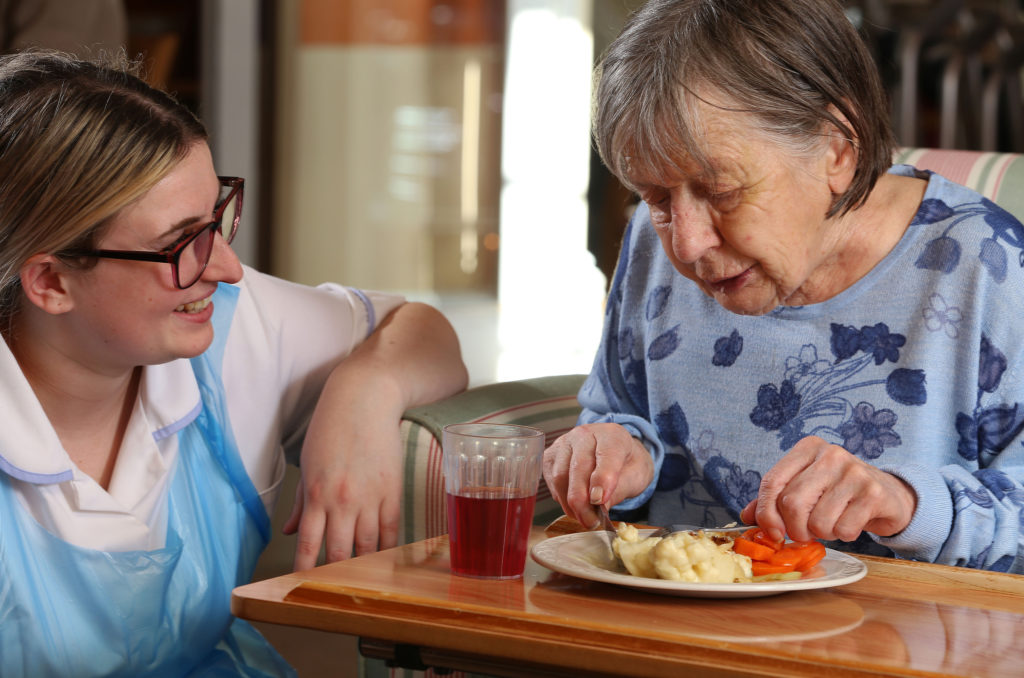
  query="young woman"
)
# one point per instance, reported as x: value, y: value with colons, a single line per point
x: 152, y: 384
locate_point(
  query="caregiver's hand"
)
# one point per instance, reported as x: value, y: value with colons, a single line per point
x: 349, y: 497
x: 821, y: 491
x: 596, y: 464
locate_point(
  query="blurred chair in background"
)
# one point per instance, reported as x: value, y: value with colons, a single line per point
x: 953, y: 68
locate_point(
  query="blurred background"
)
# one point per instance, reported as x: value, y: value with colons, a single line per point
x: 441, y: 149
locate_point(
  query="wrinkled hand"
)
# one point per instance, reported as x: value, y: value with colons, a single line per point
x: 819, y: 490
x: 350, y: 494
x: 596, y: 464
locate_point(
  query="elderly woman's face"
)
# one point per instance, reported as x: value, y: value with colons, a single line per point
x: 755, y: 236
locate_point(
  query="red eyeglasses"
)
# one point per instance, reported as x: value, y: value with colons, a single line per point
x: 188, y: 258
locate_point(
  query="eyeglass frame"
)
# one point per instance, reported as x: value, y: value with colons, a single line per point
x: 172, y: 255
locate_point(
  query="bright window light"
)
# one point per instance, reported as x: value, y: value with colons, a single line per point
x: 550, y: 292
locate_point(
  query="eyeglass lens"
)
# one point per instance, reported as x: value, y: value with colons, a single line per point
x: 193, y: 259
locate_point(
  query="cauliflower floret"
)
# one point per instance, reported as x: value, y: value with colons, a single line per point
x: 681, y: 556
x: 694, y: 557
x: 634, y: 552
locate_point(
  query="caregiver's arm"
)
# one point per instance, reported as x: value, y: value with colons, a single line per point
x: 351, y: 458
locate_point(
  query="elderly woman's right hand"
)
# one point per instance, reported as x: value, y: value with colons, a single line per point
x: 596, y: 464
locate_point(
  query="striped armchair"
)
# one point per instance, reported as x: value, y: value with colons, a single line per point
x: 997, y: 176
x: 547, y: 403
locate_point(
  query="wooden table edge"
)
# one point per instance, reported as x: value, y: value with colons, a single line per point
x: 304, y: 605
x: 296, y: 601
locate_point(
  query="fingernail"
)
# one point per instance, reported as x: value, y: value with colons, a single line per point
x: 596, y: 494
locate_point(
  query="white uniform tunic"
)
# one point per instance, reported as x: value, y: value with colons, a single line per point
x: 284, y: 340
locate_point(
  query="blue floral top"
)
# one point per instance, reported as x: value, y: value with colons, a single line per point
x: 918, y: 368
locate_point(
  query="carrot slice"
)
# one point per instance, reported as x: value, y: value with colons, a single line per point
x: 770, y: 556
x: 760, y: 567
x: 787, y: 556
x: 815, y: 551
x: 755, y: 551
x: 758, y: 535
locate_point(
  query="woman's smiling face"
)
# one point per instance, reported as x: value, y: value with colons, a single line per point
x: 130, y: 312
x: 755, y: 235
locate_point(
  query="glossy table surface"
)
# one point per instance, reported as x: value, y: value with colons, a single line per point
x: 901, y: 619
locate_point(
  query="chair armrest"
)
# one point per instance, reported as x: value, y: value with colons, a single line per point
x: 997, y: 176
x: 546, y: 403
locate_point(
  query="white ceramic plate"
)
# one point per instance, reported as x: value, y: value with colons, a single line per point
x: 585, y: 555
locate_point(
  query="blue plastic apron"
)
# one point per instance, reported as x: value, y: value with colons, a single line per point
x: 71, y: 611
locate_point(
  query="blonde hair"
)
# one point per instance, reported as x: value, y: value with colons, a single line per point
x: 79, y: 140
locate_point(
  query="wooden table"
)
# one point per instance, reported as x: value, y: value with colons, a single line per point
x: 902, y: 619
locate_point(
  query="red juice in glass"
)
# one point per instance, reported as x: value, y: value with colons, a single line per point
x: 488, y: 531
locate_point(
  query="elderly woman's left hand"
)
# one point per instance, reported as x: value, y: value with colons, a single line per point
x: 819, y: 490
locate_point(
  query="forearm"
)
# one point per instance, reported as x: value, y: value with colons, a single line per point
x: 351, y: 456
x: 604, y: 403
x: 412, y: 358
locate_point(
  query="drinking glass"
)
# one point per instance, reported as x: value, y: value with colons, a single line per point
x: 491, y: 473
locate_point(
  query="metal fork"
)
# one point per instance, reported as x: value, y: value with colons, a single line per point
x: 607, y: 527
x: 669, y: 529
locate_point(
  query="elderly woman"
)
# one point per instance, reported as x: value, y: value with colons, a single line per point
x: 152, y: 384
x: 797, y: 333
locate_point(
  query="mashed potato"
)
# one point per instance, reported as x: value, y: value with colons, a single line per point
x: 681, y: 556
